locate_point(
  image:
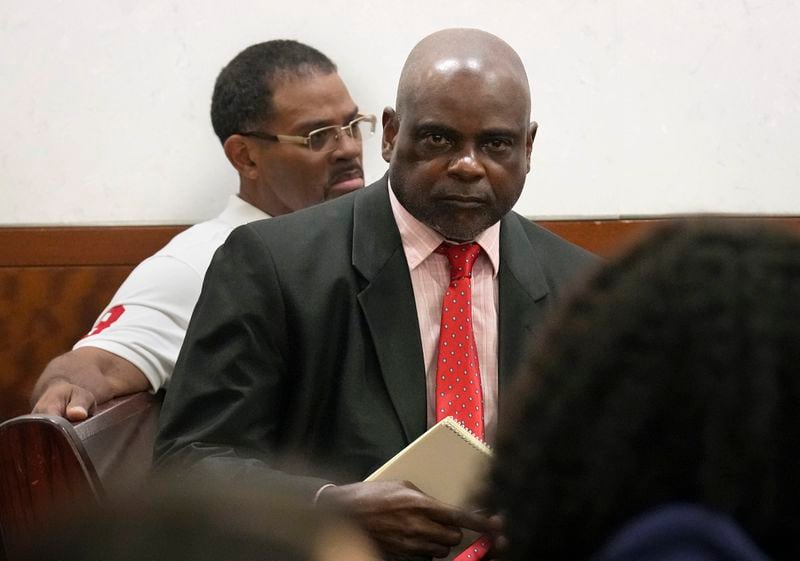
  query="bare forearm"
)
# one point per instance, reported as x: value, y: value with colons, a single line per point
x: 75, y: 382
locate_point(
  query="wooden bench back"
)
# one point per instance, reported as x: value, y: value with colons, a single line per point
x: 48, y: 464
x: 55, y: 281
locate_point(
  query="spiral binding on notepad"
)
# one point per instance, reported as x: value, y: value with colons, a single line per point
x: 473, y: 438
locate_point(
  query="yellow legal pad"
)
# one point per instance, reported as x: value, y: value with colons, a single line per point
x: 447, y: 462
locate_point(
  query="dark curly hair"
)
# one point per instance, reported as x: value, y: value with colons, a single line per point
x: 673, y: 374
x: 243, y: 91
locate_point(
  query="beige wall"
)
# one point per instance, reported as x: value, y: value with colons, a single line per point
x: 645, y: 108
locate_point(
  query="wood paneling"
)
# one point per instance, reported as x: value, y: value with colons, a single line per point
x: 609, y: 237
x: 43, y: 311
x: 75, y: 246
x: 53, y: 284
x: 55, y: 281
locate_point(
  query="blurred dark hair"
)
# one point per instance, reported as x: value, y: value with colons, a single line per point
x: 243, y: 92
x: 672, y: 375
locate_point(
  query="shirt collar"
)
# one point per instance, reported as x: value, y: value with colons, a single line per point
x: 239, y: 211
x: 419, y: 240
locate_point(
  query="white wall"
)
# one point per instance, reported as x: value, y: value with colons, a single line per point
x: 645, y: 107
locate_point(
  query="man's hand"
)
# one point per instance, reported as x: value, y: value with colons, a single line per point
x: 73, y: 384
x: 65, y: 399
x: 404, y: 520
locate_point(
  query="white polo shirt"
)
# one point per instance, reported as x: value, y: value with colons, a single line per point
x: 146, y: 320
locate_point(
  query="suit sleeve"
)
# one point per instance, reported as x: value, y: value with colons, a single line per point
x: 222, y: 415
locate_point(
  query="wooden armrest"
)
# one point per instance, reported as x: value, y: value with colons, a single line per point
x: 119, y: 439
x: 47, y: 462
x: 42, y: 464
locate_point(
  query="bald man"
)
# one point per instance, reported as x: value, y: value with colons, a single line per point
x: 312, y: 354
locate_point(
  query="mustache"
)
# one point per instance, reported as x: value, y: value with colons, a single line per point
x: 345, y: 171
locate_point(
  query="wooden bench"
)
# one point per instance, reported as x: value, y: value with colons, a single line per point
x: 55, y: 281
x: 48, y: 463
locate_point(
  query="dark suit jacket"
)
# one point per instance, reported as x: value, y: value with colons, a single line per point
x: 304, y: 354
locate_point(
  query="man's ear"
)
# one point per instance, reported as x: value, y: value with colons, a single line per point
x: 238, y: 151
x: 390, y: 125
x: 529, y: 138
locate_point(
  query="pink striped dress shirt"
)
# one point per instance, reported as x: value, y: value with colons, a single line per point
x: 430, y: 276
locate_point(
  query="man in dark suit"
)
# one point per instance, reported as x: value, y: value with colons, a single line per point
x: 311, y: 352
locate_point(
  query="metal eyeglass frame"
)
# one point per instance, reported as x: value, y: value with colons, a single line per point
x: 306, y: 140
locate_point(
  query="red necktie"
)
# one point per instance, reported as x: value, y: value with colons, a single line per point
x: 458, y: 375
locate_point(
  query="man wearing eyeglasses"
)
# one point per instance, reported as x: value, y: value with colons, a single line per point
x: 289, y: 127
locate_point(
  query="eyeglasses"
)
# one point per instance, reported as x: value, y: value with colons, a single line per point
x: 327, y: 138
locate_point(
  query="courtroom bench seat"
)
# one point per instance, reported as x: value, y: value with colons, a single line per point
x: 48, y: 463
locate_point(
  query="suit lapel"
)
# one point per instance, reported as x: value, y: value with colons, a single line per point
x: 387, y: 302
x: 522, y: 294
x: 388, y: 305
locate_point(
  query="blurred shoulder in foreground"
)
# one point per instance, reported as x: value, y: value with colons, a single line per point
x: 204, y: 520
